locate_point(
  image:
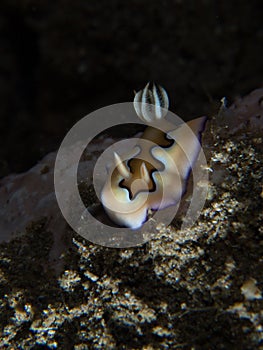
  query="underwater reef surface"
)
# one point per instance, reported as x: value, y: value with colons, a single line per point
x: 200, y: 288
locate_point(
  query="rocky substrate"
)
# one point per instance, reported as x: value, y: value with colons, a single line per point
x: 200, y: 288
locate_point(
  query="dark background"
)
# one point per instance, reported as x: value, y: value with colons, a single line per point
x: 60, y: 60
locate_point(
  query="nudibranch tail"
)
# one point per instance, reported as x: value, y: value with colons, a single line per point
x: 188, y: 145
x: 154, y: 173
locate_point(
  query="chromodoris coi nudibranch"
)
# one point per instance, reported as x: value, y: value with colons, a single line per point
x: 153, y: 175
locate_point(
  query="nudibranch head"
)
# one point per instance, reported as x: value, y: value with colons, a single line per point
x: 153, y: 175
x: 151, y: 104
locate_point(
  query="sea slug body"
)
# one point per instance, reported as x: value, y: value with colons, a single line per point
x: 153, y: 175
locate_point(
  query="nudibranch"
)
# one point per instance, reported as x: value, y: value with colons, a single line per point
x: 154, y: 174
